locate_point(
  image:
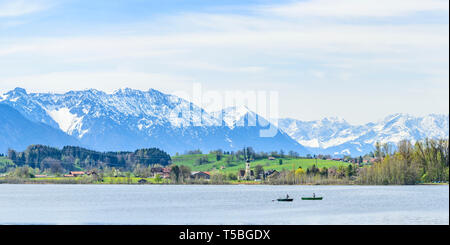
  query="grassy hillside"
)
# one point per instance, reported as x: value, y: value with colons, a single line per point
x: 234, y: 166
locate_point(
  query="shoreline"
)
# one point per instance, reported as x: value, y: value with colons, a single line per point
x: 78, y: 182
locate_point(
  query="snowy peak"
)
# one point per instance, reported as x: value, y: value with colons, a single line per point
x: 75, y: 111
x: 234, y: 116
x: 128, y: 118
x: 68, y: 122
x: 241, y: 116
x: 336, y: 136
x: 404, y: 126
x: 320, y: 134
x: 333, y: 120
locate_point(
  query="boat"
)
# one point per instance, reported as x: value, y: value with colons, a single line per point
x: 312, y: 198
x: 285, y: 199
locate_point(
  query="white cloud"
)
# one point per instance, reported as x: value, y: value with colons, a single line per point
x: 356, y: 8
x: 337, y: 39
x: 13, y: 8
x: 304, y: 59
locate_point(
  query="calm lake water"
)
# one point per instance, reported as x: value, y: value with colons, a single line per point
x: 230, y: 204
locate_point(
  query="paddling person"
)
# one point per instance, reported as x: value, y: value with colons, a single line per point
x: 314, y: 195
x: 287, y: 196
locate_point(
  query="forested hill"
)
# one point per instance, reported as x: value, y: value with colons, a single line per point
x: 73, y: 158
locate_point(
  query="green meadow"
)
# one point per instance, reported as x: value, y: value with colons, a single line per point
x: 227, y: 166
x: 84, y: 180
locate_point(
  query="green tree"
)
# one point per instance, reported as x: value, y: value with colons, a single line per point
x: 185, y: 173
x: 231, y: 176
x: 158, y: 178
x: 175, y: 173
x: 259, y: 171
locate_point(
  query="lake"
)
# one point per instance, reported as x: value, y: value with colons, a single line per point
x: 222, y: 204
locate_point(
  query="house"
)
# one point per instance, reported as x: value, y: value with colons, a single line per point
x: 200, y: 175
x: 69, y: 175
x: 166, y: 173
x: 92, y: 172
x: 156, y: 170
x: 77, y: 173
x: 163, y: 172
x: 271, y: 173
x: 271, y: 158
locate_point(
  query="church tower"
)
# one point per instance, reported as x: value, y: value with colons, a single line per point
x: 248, y: 174
x: 247, y: 170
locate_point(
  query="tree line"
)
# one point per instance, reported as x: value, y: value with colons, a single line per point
x: 73, y: 158
x: 425, y: 161
x: 405, y: 163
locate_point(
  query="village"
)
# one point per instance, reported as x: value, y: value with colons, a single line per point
x: 166, y: 172
x: 153, y: 166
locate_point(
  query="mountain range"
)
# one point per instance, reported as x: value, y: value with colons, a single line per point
x: 335, y: 136
x: 129, y: 119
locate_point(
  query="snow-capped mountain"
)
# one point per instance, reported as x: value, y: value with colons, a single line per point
x: 246, y: 124
x: 337, y: 137
x: 19, y: 132
x: 129, y: 119
x: 320, y: 134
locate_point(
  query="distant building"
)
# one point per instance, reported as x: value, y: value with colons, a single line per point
x: 163, y: 172
x: 166, y: 172
x: 248, y: 173
x: 200, y: 175
x: 77, y: 173
x: 92, y: 173
x: 271, y: 173
x: 155, y: 171
x: 271, y: 158
x: 243, y: 176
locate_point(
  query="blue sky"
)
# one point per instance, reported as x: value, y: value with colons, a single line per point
x: 360, y: 60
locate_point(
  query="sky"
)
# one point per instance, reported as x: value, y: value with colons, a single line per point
x: 359, y: 60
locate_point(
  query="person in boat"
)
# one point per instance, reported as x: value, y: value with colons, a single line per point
x: 287, y: 196
x: 314, y: 195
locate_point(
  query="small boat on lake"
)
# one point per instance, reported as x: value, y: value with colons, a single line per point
x: 286, y: 199
x: 312, y: 198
